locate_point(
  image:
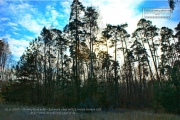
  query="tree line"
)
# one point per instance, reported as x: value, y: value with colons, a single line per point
x: 88, y: 67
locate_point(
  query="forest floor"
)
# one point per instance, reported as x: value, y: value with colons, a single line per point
x: 18, y: 112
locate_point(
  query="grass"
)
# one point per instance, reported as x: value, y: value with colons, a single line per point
x: 16, y: 112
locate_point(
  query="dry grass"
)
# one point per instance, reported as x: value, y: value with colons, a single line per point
x: 19, y: 114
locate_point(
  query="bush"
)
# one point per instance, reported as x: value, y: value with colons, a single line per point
x: 165, y: 94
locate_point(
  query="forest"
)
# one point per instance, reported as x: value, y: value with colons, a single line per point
x: 84, y: 66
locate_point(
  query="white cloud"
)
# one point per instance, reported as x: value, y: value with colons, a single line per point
x: 164, y: 23
x: 17, y: 47
x: 119, y: 12
x: 65, y: 3
x: 43, y: 21
x: 21, y: 8
x: 54, y: 14
x: 12, y: 24
x: 30, y: 24
x: 49, y: 7
x: 66, y: 6
x: 29, y: 38
x: 16, y: 33
x: 4, y: 19
x: 24, y: 14
x: 15, y: 28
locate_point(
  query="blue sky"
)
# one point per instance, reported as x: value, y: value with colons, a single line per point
x: 22, y: 20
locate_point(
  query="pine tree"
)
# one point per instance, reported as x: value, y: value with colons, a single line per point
x: 147, y: 33
x: 76, y: 30
x: 91, y: 28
